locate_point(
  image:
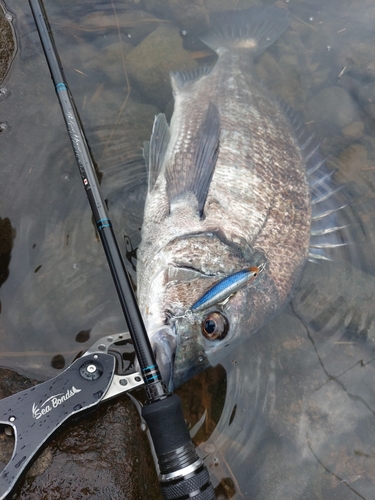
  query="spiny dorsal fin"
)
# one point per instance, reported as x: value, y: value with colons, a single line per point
x: 193, y: 173
x: 155, y: 151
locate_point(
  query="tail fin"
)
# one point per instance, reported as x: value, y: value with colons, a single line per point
x: 252, y: 29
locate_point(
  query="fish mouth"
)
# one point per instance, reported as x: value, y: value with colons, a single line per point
x: 164, y: 343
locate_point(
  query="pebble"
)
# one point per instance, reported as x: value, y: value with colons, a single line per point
x: 351, y: 162
x: 359, y: 59
x: 332, y: 109
x: 354, y: 130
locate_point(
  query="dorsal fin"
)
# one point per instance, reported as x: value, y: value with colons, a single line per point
x: 193, y: 172
x: 154, y: 151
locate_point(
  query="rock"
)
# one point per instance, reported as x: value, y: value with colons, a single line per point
x: 354, y: 130
x: 7, y: 235
x: 282, y: 79
x: 350, y: 163
x: 80, y: 64
x: 150, y: 63
x: 331, y: 109
x: 301, y: 27
x: 103, y: 456
x: 370, y: 110
x: 8, y: 46
x: 134, y: 25
x: 366, y: 93
x: 359, y: 59
x: 191, y: 15
x: 289, y: 60
x: 292, y: 38
x: 319, y: 77
x: 110, y: 61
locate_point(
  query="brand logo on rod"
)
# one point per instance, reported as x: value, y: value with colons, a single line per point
x: 53, y: 402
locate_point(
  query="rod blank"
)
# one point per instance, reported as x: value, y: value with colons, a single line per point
x: 154, y: 386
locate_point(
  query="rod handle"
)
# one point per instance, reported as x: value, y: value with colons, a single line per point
x: 182, y: 473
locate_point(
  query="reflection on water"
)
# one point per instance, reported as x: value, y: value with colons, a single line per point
x: 298, y: 418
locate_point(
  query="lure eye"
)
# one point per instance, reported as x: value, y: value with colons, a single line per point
x: 215, y: 326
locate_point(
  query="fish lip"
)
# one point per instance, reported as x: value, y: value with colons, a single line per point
x: 164, y: 344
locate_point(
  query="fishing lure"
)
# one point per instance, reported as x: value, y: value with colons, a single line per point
x: 222, y: 290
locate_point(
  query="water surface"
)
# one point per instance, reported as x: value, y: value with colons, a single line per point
x: 297, y: 420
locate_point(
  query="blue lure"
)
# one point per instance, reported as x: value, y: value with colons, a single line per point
x: 226, y: 287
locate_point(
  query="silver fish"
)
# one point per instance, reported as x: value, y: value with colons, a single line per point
x: 228, y: 190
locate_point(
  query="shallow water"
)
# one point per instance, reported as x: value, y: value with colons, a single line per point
x: 298, y: 418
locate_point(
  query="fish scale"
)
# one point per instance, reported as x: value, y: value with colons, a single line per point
x: 231, y: 193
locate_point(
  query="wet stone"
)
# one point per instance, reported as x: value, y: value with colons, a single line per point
x: 7, y: 235
x: 7, y: 43
x: 102, y: 456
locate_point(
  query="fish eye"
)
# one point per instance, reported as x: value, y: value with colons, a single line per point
x: 215, y: 326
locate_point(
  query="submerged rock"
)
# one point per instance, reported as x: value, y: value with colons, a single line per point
x: 359, y: 60
x: 134, y: 25
x: 332, y: 109
x: 189, y: 14
x: 354, y: 130
x: 151, y: 61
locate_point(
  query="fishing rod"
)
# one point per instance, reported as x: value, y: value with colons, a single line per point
x: 182, y: 473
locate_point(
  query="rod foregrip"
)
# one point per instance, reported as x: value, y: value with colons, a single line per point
x: 182, y: 473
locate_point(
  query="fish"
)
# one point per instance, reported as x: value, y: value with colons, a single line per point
x: 235, y: 183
